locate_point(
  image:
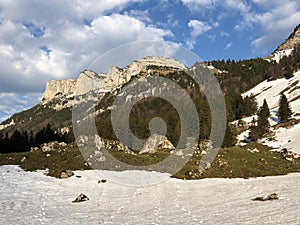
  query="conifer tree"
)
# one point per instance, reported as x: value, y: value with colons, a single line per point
x: 263, y: 116
x: 262, y: 126
x: 229, y: 138
x: 284, y: 111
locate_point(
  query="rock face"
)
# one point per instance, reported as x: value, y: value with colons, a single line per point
x: 58, y: 88
x: 89, y: 80
x: 156, y: 143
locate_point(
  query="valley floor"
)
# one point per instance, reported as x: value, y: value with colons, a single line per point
x: 33, y: 198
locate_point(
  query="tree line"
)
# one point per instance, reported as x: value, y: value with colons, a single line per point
x: 23, y: 141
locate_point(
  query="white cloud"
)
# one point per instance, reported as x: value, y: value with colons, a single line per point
x: 198, y: 28
x: 199, y: 5
x: 278, y: 20
x: 11, y: 103
x: 57, y: 39
x: 224, y: 34
x: 273, y: 19
x: 228, y: 46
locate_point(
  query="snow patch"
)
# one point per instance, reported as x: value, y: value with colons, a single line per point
x: 33, y: 198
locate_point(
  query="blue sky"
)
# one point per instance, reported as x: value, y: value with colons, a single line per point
x: 43, y: 40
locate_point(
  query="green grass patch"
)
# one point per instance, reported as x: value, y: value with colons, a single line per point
x: 236, y: 162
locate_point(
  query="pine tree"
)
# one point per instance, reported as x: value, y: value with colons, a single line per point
x: 284, y: 111
x: 262, y: 126
x: 263, y: 118
x: 250, y: 106
x: 229, y: 138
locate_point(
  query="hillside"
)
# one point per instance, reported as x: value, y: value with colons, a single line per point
x: 282, y: 136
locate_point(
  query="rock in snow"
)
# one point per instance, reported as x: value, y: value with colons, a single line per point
x: 270, y: 197
x: 81, y: 198
x: 66, y: 174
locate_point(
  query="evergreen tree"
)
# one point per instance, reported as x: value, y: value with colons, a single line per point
x: 284, y: 111
x: 229, y: 138
x: 250, y: 106
x: 263, y: 118
x: 262, y: 126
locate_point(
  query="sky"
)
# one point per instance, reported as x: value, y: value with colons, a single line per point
x: 57, y: 39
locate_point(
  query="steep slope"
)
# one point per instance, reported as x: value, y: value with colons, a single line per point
x: 287, y: 47
x: 282, y: 136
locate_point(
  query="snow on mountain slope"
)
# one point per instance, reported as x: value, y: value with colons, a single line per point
x: 33, y: 198
x: 271, y: 91
x: 277, y: 56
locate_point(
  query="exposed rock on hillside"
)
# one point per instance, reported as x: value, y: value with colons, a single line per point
x: 286, y: 48
x: 292, y: 41
x: 58, y: 88
x: 157, y: 143
x: 89, y: 80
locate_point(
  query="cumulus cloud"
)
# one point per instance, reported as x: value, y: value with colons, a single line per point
x: 12, y: 103
x: 57, y: 39
x: 273, y: 19
x: 198, y: 28
x: 278, y: 20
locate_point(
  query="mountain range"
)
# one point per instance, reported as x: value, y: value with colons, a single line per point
x: 263, y: 78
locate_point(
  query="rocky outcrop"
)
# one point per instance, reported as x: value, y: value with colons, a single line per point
x: 58, y: 88
x: 117, y: 76
x: 53, y: 146
x: 157, y: 143
x: 292, y: 41
x: 4, y: 126
x: 89, y: 80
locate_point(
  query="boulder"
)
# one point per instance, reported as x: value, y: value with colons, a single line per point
x: 81, y: 198
x: 66, y: 174
x: 270, y: 197
x: 156, y: 143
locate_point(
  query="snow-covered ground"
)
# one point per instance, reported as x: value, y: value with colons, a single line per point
x: 33, y: 198
x: 271, y: 91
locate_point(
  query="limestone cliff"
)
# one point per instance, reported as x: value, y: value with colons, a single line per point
x: 58, y: 88
x: 89, y: 80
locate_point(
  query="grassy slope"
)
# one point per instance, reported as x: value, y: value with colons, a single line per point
x: 230, y: 162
